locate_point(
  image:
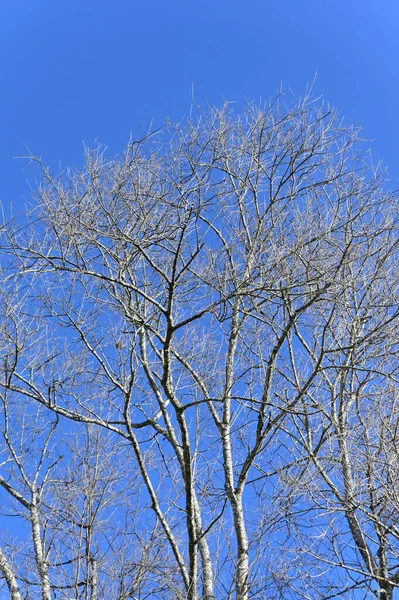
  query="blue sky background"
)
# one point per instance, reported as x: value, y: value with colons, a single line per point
x: 86, y: 70
x: 81, y: 70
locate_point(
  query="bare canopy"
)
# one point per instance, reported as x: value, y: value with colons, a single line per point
x: 201, y: 336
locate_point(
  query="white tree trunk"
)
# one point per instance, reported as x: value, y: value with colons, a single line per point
x: 39, y: 554
x: 10, y: 578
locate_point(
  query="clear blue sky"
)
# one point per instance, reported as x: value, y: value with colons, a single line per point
x: 80, y: 70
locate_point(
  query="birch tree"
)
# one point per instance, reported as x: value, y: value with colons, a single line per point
x: 66, y: 498
x: 222, y: 299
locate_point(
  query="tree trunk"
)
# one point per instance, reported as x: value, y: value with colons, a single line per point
x: 93, y: 579
x: 9, y: 576
x: 40, y: 557
x: 242, y: 567
x: 385, y: 591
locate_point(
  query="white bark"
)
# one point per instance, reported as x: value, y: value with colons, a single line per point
x: 41, y: 559
x: 10, y: 578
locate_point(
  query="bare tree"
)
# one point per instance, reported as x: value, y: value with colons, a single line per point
x: 348, y: 427
x: 222, y: 299
x: 69, y: 502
